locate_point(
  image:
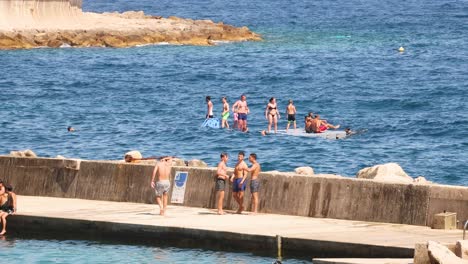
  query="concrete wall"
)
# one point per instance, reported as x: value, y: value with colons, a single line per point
x: 341, y: 198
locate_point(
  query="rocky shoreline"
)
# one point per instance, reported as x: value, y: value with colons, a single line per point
x: 119, y: 30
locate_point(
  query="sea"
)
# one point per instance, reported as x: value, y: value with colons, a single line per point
x: 45, y: 251
x: 337, y: 58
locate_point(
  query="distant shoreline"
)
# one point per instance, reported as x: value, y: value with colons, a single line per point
x: 119, y: 30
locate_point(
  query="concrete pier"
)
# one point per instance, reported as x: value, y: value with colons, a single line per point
x: 318, y: 196
x: 200, y: 227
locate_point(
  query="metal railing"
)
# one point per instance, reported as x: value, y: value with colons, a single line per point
x: 464, y: 229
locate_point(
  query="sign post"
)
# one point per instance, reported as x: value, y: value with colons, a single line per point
x: 180, y: 182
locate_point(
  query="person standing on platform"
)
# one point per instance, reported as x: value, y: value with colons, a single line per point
x: 209, y: 107
x: 225, y: 113
x: 239, y: 181
x: 162, y: 171
x: 272, y: 114
x: 221, y: 177
x: 242, y: 110
x: 291, y: 112
x: 254, y: 170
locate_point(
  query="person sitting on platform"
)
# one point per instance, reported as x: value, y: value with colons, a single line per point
x: 7, y: 206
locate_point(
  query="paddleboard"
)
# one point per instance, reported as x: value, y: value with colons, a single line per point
x: 212, y: 123
x: 329, y: 134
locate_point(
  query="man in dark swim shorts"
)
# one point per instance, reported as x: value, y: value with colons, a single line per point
x: 291, y: 111
x: 221, y: 177
x: 254, y: 181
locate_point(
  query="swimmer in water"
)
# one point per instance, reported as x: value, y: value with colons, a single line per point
x: 70, y: 129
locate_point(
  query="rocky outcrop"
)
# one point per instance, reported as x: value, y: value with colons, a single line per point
x: 197, y: 163
x: 390, y: 172
x: 442, y: 255
x: 309, y: 171
x: 119, y: 30
x: 23, y: 153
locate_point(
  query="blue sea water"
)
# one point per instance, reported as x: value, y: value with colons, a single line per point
x: 336, y: 58
x: 20, y: 250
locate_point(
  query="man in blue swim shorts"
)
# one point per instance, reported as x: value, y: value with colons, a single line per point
x: 240, y: 107
x: 239, y: 182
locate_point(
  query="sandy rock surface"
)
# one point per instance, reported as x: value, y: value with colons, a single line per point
x: 23, y: 153
x: 197, y: 163
x: 390, y: 172
x: 461, y: 249
x: 442, y: 255
x: 309, y: 171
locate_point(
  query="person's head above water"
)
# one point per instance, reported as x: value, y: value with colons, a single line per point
x: 70, y: 129
x: 208, y: 98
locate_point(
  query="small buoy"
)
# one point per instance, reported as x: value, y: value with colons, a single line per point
x: 401, y: 49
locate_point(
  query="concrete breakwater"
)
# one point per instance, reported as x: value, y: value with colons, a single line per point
x: 41, y: 23
x: 323, y: 197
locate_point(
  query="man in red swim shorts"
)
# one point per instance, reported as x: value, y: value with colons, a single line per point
x: 318, y: 125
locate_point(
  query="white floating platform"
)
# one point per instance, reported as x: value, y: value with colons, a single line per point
x: 329, y: 134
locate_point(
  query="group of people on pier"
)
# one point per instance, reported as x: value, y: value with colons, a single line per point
x: 240, y: 109
x: 162, y: 171
x: 7, y: 204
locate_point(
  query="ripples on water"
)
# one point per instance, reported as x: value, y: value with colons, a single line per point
x: 80, y: 251
x: 336, y: 58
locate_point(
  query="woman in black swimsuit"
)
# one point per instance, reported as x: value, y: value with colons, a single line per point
x: 7, y: 206
x: 272, y: 114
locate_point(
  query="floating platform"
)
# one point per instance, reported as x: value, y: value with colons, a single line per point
x: 329, y: 134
